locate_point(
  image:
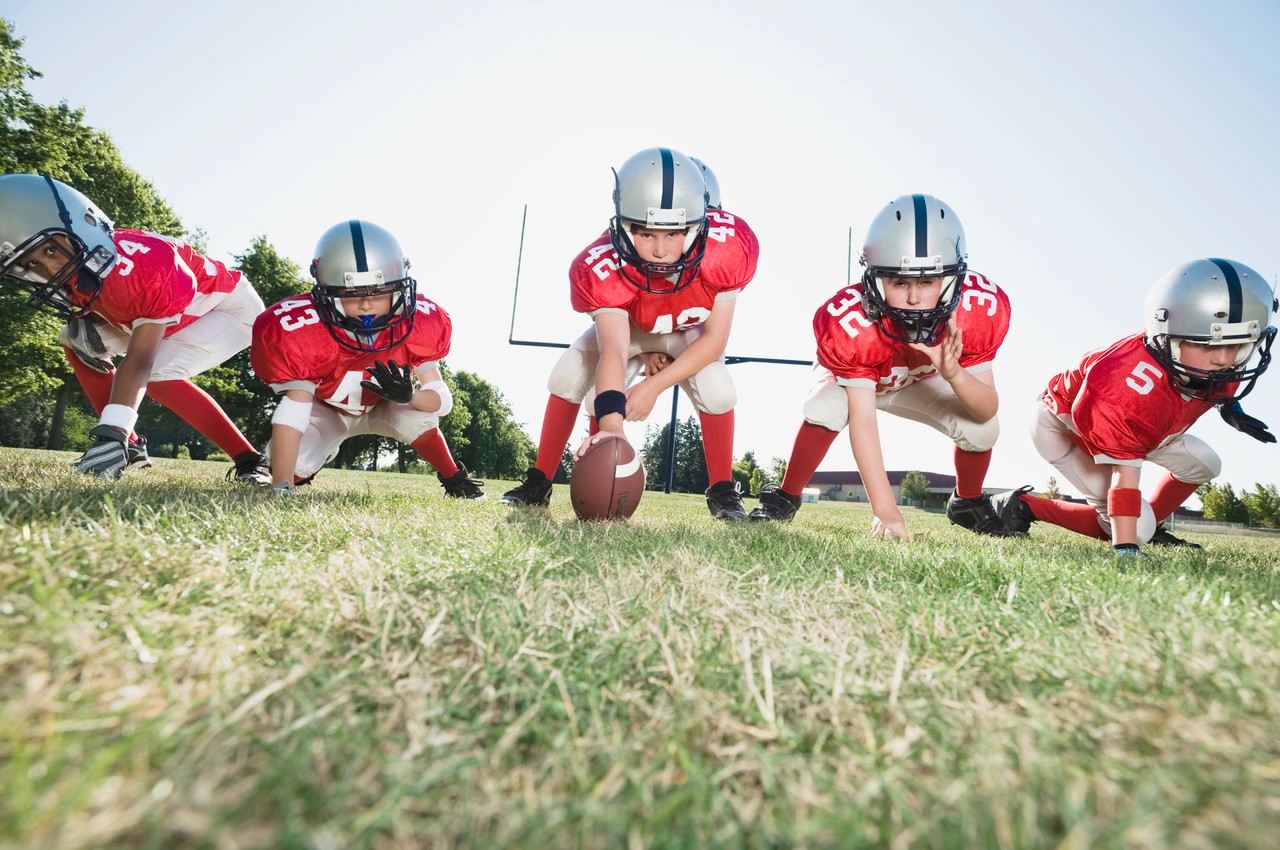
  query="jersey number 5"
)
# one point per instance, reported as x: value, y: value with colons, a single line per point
x: 1142, y: 381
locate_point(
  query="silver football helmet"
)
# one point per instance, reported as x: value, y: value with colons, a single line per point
x: 55, y: 244
x: 659, y: 189
x: 915, y: 236
x: 358, y: 258
x: 713, y: 185
x: 1214, y: 302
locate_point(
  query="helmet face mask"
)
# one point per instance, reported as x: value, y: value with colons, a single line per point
x: 1211, y: 302
x: 55, y: 245
x: 915, y: 236
x: 359, y: 259
x: 659, y: 189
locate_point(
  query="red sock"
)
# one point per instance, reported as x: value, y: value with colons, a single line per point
x: 1073, y: 516
x: 557, y: 428
x: 717, y: 445
x: 198, y: 409
x: 96, y: 386
x: 1170, y: 493
x: 432, y: 448
x: 971, y: 472
x: 811, y: 446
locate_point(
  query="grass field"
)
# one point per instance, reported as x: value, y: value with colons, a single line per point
x: 188, y: 664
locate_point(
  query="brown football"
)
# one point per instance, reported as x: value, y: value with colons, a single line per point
x: 607, y: 481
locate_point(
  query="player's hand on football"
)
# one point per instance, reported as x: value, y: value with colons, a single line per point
x: 640, y: 399
x: 390, y: 381
x: 1235, y: 416
x: 890, y: 527
x: 597, y: 437
x: 106, y: 456
x: 654, y: 362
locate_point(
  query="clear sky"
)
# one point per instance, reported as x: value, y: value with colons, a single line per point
x: 1087, y: 147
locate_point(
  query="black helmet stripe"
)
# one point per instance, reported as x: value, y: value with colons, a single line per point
x: 1235, y: 297
x: 922, y: 225
x: 357, y: 242
x: 668, y: 178
x: 63, y: 215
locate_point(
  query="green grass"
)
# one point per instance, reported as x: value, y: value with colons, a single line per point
x: 184, y: 663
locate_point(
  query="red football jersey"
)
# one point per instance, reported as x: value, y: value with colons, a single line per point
x: 291, y: 344
x: 1122, y: 403
x: 158, y: 279
x: 854, y: 348
x: 727, y: 266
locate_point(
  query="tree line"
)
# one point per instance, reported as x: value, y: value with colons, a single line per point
x: 41, y: 404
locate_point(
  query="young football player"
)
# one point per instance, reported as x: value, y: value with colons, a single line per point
x: 170, y: 311
x: 660, y: 285
x: 364, y: 317
x: 1134, y: 400
x: 916, y: 337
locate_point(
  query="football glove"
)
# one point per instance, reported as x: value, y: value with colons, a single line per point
x: 1234, y: 416
x: 82, y: 337
x: 106, y: 456
x: 1130, y: 550
x: 284, y: 488
x: 393, y: 382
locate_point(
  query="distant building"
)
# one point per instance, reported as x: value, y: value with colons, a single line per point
x: 846, y: 486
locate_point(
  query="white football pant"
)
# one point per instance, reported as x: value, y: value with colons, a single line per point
x: 329, y: 428
x: 930, y: 401
x: 573, y: 378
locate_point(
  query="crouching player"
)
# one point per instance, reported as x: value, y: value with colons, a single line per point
x: 660, y: 286
x: 364, y: 317
x: 1134, y: 400
x: 915, y: 338
x: 166, y: 310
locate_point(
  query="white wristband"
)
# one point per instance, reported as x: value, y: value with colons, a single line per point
x: 120, y: 416
x: 292, y: 414
x: 441, y: 389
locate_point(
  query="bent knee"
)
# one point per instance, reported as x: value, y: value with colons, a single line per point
x: 978, y: 436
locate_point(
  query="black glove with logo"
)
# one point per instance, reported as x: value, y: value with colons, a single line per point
x: 391, y: 381
x: 82, y: 337
x: 1244, y: 423
x: 106, y: 456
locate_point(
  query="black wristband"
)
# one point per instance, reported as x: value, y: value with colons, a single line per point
x: 611, y: 401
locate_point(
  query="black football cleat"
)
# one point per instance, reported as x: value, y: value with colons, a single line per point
x: 775, y: 505
x: 1013, y: 510
x: 250, y: 468
x: 533, y: 492
x: 724, y: 500
x: 136, y: 453
x: 461, y: 485
x: 1164, y: 537
x: 977, y: 515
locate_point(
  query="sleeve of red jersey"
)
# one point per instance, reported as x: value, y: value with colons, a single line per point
x: 432, y: 333
x: 594, y: 280
x: 985, y: 314
x: 732, y: 253
x: 1114, y: 421
x: 838, y: 350
x: 279, y: 356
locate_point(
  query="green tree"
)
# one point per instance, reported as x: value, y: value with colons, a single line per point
x: 915, y: 487
x: 690, y: 463
x: 777, y: 471
x: 1263, y: 505
x: 1051, y: 490
x: 491, y: 441
x: 744, y: 469
x: 1221, y: 503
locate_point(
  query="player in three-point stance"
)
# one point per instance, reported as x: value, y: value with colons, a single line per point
x: 363, y: 318
x: 660, y: 285
x: 170, y: 311
x: 916, y: 337
x: 1207, y: 338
